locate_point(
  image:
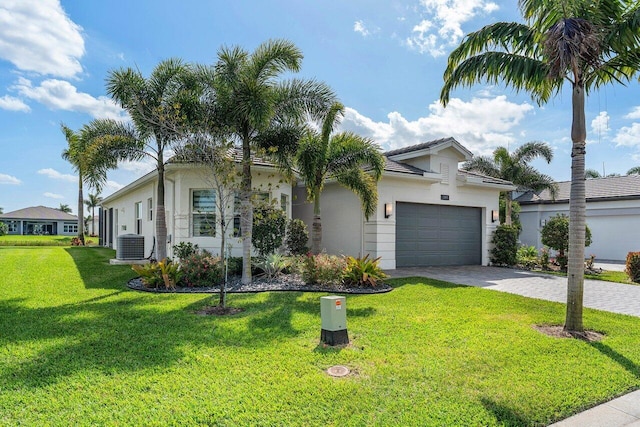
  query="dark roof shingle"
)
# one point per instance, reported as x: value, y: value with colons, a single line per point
x: 39, y: 212
x: 613, y: 187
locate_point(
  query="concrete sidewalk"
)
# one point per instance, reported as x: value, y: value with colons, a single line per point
x: 607, y: 296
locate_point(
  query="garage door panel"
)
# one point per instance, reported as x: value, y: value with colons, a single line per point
x: 437, y: 235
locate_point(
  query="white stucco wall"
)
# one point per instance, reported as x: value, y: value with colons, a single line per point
x: 345, y: 231
x: 179, y: 183
x: 614, y: 225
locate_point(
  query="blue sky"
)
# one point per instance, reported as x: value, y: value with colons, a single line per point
x: 384, y: 60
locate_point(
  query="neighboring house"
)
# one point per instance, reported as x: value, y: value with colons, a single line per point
x: 40, y: 220
x: 190, y: 205
x: 613, y: 215
x: 429, y: 212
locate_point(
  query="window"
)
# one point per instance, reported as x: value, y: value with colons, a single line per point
x: 203, y: 207
x: 70, y: 227
x: 138, y: 212
x: 258, y: 197
x: 150, y: 209
x: 284, y: 202
x: 13, y: 226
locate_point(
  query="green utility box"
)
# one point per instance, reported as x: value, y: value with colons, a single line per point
x: 333, y: 314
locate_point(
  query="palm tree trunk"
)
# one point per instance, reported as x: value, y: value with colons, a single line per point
x: 223, y: 258
x: 577, y: 208
x: 161, y: 220
x: 80, y: 210
x: 246, y: 211
x: 507, y: 208
x: 316, y: 226
x: 93, y: 223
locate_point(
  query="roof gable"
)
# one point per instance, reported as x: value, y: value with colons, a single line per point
x: 430, y: 148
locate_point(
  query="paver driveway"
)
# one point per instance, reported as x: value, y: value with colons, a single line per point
x: 608, y: 296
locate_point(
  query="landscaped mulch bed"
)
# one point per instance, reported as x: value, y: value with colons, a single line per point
x: 286, y: 282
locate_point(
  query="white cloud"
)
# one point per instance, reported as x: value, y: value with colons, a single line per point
x: 481, y: 125
x: 62, y: 95
x: 13, y: 104
x: 141, y: 167
x: 634, y: 114
x: 8, y: 179
x: 112, y: 186
x: 359, y: 27
x: 442, y: 27
x: 599, y: 127
x: 54, y: 174
x: 37, y: 35
x: 628, y: 136
x: 53, y: 195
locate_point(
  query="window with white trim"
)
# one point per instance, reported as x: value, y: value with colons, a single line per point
x: 203, y: 213
x: 138, y: 213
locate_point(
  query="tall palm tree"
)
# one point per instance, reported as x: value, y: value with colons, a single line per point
x: 633, y: 171
x: 263, y: 113
x: 343, y: 157
x: 88, y: 163
x: 92, y: 202
x: 583, y: 42
x: 515, y: 167
x: 158, y: 108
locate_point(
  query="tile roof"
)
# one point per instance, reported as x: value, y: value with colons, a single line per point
x: 613, y: 187
x: 418, y: 147
x: 39, y: 212
x: 393, y: 166
x: 485, y: 178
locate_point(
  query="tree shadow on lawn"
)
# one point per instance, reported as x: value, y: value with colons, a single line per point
x: 95, y: 271
x: 47, y: 344
x: 269, y: 320
x: 503, y: 414
x: 620, y: 359
x: 422, y: 280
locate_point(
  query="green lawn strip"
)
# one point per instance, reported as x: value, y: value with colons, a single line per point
x: 607, y: 276
x: 78, y: 347
x: 41, y: 240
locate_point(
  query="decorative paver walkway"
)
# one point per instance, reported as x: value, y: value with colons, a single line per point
x: 608, y: 296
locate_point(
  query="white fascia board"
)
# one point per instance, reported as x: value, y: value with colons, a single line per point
x: 463, y: 180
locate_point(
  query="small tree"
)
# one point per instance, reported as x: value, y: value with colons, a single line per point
x: 555, y: 234
x: 4, y: 229
x: 64, y: 208
x: 297, y: 237
x: 269, y: 225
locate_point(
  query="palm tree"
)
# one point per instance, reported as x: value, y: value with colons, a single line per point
x: 515, y: 167
x: 158, y: 107
x: 92, y: 203
x: 262, y: 113
x: 342, y: 156
x: 64, y: 208
x: 88, y: 162
x: 592, y: 173
x: 585, y: 43
x: 633, y: 171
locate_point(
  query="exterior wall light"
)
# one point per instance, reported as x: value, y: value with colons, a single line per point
x: 495, y: 216
x: 388, y: 210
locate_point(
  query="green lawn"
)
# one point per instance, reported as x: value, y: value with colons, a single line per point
x: 77, y: 347
x: 607, y: 276
x: 18, y: 240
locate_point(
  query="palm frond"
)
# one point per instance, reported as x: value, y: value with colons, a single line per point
x: 364, y: 185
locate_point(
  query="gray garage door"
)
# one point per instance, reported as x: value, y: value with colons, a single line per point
x: 430, y: 235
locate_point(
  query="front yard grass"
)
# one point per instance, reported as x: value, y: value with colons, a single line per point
x: 78, y: 347
x: 608, y: 276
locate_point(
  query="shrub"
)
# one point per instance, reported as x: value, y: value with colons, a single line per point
x: 297, y: 237
x: 76, y: 241
x: 633, y: 266
x: 269, y: 226
x: 323, y: 268
x: 363, y: 272
x: 273, y: 265
x: 505, y: 245
x: 544, y: 258
x: 234, y: 265
x: 527, y: 256
x: 156, y: 273
x: 4, y: 228
x: 201, y: 269
x: 184, y: 249
x: 555, y: 234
